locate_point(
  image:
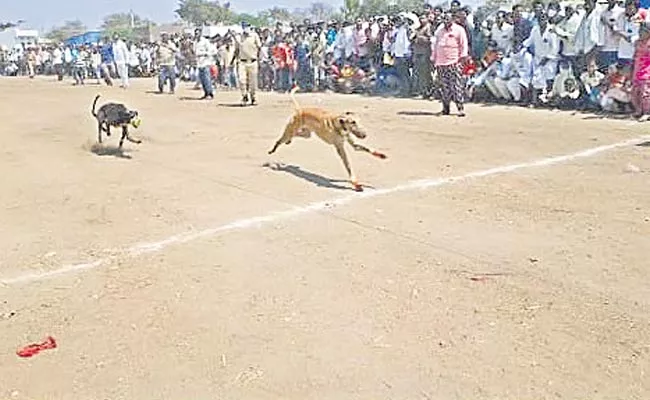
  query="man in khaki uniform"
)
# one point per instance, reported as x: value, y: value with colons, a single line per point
x: 247, y: 52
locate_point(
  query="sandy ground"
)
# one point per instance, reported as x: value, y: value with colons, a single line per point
x: 530, y: 284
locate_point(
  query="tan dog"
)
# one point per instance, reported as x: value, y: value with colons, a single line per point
x: 334, y: 129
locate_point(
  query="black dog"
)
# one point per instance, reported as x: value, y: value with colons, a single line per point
x: 117, y: 115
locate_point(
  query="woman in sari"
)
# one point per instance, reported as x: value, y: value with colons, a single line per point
x: 641, y: 73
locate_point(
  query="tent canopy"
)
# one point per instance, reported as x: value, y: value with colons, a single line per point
x: 91, y: 37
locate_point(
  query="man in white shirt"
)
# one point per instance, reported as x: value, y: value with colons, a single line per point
x: 121, y: 57
x: 547, y: 53
x: 402, y: 52
x: 589, y: 34
x: 628, y: 32
x: 205, y: 53
x: 521, y: 73
x: 502, y: 33
x: 495, y: 77
x: 57, y: 62
x: 610, y: 19
x: 67, y: 60
x: 567, y: 30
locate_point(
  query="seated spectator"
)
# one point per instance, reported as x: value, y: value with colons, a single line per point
x: 520, y: 79
x: 565, y: 90
x: 617, y: 91
x: 495, y: 77
x: 592, y: 80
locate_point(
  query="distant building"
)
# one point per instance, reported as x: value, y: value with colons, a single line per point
x: 16, y: 36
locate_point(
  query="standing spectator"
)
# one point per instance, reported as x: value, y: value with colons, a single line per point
x: 422, y: 58
x: 166, y: 52
x: 361, y: 39
x: 641, y: 73
x: 247, y: 54
x: 449, y: 50
x: 502, y: 33
x: 588, y: 36
x: 303, y: 58
x: 521, y: 26
x: 610, y: 19
x: 547, y: 51
x: 145, y: 59
x: 567, y: 30
x: 283, y: 57
x: 204, y: 53
x: 318, y: 43
x: 628, y: 32
x: 402, y: 53
x: 79, y: 56
x: 57, y: 62
x: 121, y: 56
x: 31, y: 62
x: 108, y: 61
x: 96, y: 64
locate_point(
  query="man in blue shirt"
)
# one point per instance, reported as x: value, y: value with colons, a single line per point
x: 108, y: 62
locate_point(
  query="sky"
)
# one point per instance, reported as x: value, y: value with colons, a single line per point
x: 44, y: 14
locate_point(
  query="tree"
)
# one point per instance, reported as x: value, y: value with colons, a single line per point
x: 374, y: 7
x: 204, y: 12
x: 277, y: 14
x: 67, y: 30
x: 253, y: 20
x: 351, y: 8
x: 126, y: 25
x: 320, y: 11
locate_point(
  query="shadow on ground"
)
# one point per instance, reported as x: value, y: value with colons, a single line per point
x: 316, y: 179
x: 102, y: 151
x: 419, y: 113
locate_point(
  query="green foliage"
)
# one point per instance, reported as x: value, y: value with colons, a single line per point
x: 204, y: 12
x: 320, y: 11
x: 371, y: 8
x: 253, y: 20
x: 68, y: 29
x: 351, y: 8
x: 126, y: 25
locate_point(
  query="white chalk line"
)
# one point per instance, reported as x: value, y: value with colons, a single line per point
x: 153, y: 247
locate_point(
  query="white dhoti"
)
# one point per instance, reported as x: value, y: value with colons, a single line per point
x: 515, y: 86
x: 542, y: 74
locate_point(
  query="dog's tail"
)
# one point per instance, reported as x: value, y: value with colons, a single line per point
x: 293, y: 96
x: 92, y: 111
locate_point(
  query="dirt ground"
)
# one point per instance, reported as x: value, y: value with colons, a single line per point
x: 527, y: 284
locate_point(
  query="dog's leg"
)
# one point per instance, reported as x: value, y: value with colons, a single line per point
x: 100, y: 128
x: 344, y: 157
x: 130, y: 139
x: 290, y: 130
x: 125, y: 133
x: 359, y: 147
